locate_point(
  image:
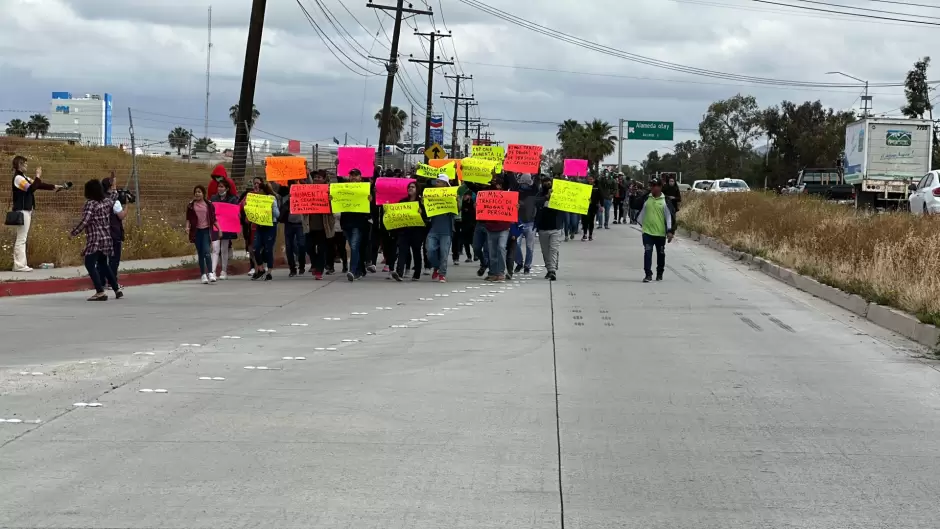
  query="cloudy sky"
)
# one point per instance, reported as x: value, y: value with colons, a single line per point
x: 151, y: 56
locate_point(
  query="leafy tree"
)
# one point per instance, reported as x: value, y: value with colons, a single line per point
x: 204, y: 145
x: 397, y: 119
x: 233, y: 115
x: 554, y: 160
x: 727, y: 130
x: 591, y: 141
x: 38, y: 125
x: 805, y: 135
x: 916, y: 91
x: 17, y: 127
x: 179, y: 139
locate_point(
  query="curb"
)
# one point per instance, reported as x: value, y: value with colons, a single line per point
x: 892, y: 319
x: 78, y: 284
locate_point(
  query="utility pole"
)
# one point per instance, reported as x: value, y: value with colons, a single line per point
x: 466, y: 119
x: 392, y: 66
x: 432, y: 60
x: 412, y: 129
x: 487, y: 135
x: 208, y: 70
x: 620, y: 146
x: 457, y: 99
x: 480, y: 125
x: 246, y: 101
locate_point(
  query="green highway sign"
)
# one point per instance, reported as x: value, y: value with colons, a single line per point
x: 649, y: 130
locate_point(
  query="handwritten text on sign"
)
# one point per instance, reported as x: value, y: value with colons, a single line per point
x: 428, y: 171
x: 494, y: 153
x: 350, y: 198
x: 403, y: 215
x: 478, y: 170
x: 285, y: 168
x: 498, y: 206
x: 258, y: 209
x: 523, y: 158
x: 570, y: 196
x: 440, y: 200
x: 309, y: 199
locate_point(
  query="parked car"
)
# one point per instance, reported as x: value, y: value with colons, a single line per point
x: 925, y: 195
x: 827, y: 183
x: 728, y: 185
x: 684, y: 187
x: 700, y: 185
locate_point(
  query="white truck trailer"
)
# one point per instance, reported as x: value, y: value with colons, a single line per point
x: 883, y: 156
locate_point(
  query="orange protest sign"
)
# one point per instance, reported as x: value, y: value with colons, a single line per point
x: 309, y: 199
x: 441, y: 163
x: 498, y: 206
x: 285, y: 168
x: 523, y: 158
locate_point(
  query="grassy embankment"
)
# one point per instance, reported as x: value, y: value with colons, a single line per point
x: 892, y: 259
x: 165, y: 188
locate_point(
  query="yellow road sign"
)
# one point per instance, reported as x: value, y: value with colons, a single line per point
x: 435, y: 152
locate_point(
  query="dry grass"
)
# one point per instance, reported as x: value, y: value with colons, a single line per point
x: 165, y: 188
x: 891, y: 259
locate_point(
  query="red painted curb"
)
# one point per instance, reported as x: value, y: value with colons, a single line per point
x: 58, y: 286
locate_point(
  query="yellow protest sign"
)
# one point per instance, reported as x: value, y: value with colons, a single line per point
x: 570, y: 196
x: 440, y: 200
x: 402, y: 215
x: 352, y: 197
x: 428, y: 171
x: 258, y: 209
x: 494, y: 153
x: 477, y: 170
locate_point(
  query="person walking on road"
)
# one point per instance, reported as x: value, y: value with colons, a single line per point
x: 24, y: 202
x: 203, y: 231
x: 98, y: 243
x: 222, y: 247
x: 673, y: 194
x: 439, y: 237
x: 587, y: 222
x: 409, y: 243
x: 656, y: 218
x: 294, y: 243
x: 356, y: 226
x: 265, y: 236
x: 319, y: 231
x: 118, y: 213
x: 528, y: 191
x: 550, y: 224
x: 468, y: 223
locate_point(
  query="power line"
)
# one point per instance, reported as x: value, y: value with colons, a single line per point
x: 870, y: 10
x: 821, y: 10
x: 896, y: 2
x: 789, y: 12
x: 586, y: 44
x: 362, y: 26
x: 330, y: 46
x: 344, y: 33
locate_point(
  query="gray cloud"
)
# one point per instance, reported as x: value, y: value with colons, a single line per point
x: 151, y: 56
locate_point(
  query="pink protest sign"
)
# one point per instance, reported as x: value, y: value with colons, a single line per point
x: 362, y: 158
x: 574, y: 167
x: 227, y: 216
x: 391, y: 190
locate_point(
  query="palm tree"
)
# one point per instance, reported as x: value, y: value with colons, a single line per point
x: 17, y: 127
x: 599, y: 142
x: 179, y: 139
x: 567, y: 130
x: 204, y: 145
x: 397, y: 119
x: 38, y: 125
x: 233, y: 115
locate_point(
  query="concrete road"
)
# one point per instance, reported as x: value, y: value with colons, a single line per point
x: 715, y: 399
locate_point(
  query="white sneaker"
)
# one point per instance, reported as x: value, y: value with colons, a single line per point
x: 251, y: 272
x: 223, y: 276
x: 24, y: 269
x: 212, y: 278
x: 205, y: 280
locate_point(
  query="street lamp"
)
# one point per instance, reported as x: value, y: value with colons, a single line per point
x: 865, y: 98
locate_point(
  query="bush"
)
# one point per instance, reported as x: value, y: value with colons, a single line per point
x: 891, y: 258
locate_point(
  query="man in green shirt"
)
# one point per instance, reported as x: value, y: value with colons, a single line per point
x: 658, y: 222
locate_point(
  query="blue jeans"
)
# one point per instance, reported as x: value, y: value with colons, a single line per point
x: 649, y: 242
x: 204, y: 250
x: 480, y: 247
x: 571, y: 227
x: 608, y: 203
x: 295, y: 245
x: 438, y: 250
x: 528, y: 233
x: 264, y: 245
x: 496, y: 243
x: 354, y: 235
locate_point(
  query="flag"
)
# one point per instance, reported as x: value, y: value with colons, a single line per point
x: 336, y: 141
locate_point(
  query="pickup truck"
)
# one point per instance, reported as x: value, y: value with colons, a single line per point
x: 828, y: 183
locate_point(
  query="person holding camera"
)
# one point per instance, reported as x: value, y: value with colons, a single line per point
x: 120, y: 197
x: 24, y: 202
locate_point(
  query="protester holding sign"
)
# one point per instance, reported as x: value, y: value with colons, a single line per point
x: 248, y: 229
x: 226, y: 200
x: 442, y: 226
x: 262, y: 211
x: 294, y: 239
x: 354, y: 220
x: 551, y: 226
x: 497, y: 210
x: 318, y: 227
x: 587, y: 222
x: 409, y: 243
